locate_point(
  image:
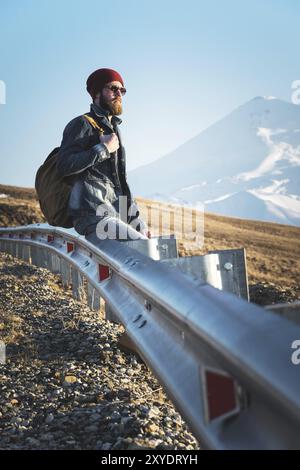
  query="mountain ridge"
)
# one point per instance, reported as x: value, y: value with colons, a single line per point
x: 256, y: 146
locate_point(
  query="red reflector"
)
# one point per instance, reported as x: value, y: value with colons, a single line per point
x: 104, y: 272
x: 70, y: 247
x: 220, y: 394
x: 50, y: 238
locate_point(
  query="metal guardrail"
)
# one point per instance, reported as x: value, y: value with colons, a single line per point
x: 291, y: 311
x: 225, y: 363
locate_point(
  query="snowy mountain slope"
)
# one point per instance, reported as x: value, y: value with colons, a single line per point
x: 258, y: 205
x: 247, y: 164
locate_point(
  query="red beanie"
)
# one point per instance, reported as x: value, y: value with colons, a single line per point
x: 98, y: 79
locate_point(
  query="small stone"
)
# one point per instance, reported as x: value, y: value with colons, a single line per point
x: 154, y: 412
x: 106, y: 446
x: 153, y: 428
x: 126, y: 420
x: 115, y: 416
x: 32, y: 442
x: 70, y: 442
x: 70, y: 379
x: 49, y: 418
x: 92, y: 428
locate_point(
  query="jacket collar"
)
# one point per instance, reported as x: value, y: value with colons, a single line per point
x: 103, y: 113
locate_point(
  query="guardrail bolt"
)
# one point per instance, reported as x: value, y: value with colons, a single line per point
x: 143, y: 324
x: 137, y: 318
x: 228, y: 266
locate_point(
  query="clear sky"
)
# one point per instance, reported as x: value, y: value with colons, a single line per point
x: 185, y: 65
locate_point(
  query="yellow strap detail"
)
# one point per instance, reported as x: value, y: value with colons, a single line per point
x: 94, y: 123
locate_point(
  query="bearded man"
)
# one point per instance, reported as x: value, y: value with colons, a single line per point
x: 92, y: 158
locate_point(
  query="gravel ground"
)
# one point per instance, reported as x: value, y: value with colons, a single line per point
x: 268, y: 293
x: 65, y: 384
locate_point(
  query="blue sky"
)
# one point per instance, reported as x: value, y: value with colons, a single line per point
x: 185, y: 65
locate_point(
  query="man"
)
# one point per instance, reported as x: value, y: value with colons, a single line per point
x: 93, y: 161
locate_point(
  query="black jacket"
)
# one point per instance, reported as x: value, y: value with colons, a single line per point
x: 97, y: 177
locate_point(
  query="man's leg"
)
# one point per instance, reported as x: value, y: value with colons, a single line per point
x: 98, y: 228
x: 113, y: 228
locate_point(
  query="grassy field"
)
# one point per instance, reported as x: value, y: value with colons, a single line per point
x: 273, y: 250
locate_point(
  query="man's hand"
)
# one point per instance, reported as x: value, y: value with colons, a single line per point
x: 110, y: 141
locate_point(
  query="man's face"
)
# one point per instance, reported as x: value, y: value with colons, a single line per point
x: 112, y: 99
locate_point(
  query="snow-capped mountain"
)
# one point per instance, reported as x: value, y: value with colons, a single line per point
x: 245, y: 165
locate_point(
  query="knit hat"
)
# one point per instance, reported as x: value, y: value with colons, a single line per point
x: 98, y: 79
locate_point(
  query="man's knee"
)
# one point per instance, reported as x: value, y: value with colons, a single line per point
x: 113, y: 228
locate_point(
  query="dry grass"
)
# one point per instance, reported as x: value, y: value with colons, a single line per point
x: 18, y: 192
x: 273, y: 250
x: 11, y: 327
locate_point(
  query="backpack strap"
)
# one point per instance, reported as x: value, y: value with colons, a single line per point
x: 94, y: 123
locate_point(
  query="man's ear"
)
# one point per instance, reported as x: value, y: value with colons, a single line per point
x: 96, y: 99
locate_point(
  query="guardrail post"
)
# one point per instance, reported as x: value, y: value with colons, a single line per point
x: 40, y: 257
x: 55, y: 263
x: 203, y: 268
x: 45, y: 258
x: 77, y: 284
x: 3, y: 245
x: 167, y: 248
x: 2, y: 352
x: 26, y: 253
x: 65, y: 272
x: 148, y: 247
x: 10, y: 248
x: 109, y: 314
x: 14, y: 249
x: 18, y: 250
x: 234, y: 271
x: 34, y: 255
x: 93, y: 298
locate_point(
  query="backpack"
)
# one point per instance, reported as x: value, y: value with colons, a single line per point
x: 53, y: 190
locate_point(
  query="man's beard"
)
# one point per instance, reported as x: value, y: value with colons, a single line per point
x: 114, y: 107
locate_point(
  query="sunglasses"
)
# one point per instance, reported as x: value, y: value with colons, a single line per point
x: 115, y: 89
